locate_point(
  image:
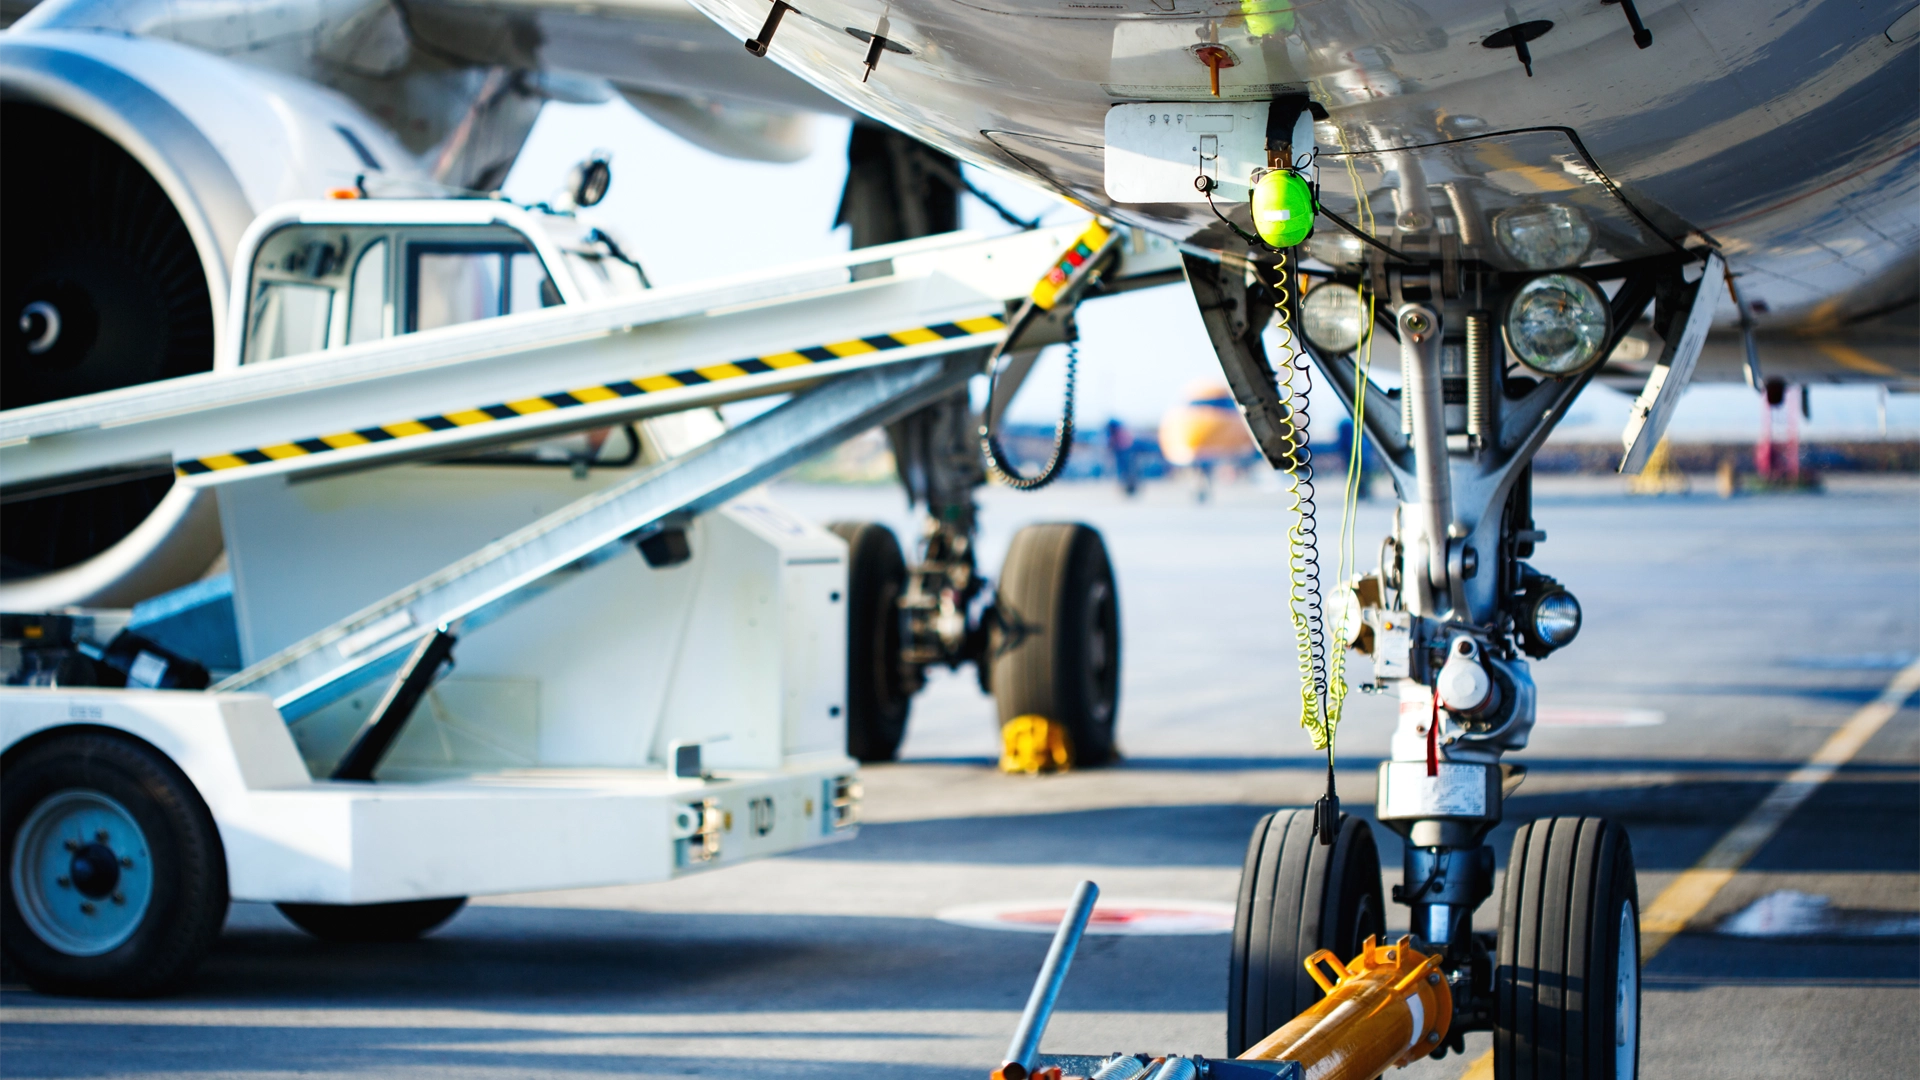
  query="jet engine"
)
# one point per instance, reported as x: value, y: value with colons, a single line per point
x: 129, y: 169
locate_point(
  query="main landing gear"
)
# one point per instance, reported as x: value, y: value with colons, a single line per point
x: 1046, y: 644
x: 1451, y: 618
x: 1046, y: 640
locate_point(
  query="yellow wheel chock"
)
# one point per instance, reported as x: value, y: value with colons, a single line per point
x: 1033, y: 744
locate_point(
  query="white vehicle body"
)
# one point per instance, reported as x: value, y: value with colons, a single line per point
x: 608, y: 717
x: 545, y: 761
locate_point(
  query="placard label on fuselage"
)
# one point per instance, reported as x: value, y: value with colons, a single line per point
x: 1155, y: 152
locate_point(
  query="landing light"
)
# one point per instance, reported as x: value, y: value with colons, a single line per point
x: 1557, y: 324
x: 1544, y: 236
x: 1333, y: 317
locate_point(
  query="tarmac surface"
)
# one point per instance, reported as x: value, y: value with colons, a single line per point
x: 1751, y: 628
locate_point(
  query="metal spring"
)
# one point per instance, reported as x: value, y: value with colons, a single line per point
x: 1406, y: 399
x: 1177, y: 1068
x: 1125, y: 1067
x: 1479, y: 379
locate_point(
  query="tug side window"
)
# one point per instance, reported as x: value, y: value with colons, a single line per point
x: 289, y: 319
x: 453, y: 284
x: 369, y: 308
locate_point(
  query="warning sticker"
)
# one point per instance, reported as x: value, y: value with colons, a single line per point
x: 1458, y: 790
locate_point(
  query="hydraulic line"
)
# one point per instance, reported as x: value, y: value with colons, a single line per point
x: 1350, y: 505
x: 1349, y: 511
x: 1071, y: 275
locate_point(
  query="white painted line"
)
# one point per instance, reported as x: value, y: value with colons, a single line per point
x: 1120, y: 916
x: 1693, y: 890
x: 1789, y: 913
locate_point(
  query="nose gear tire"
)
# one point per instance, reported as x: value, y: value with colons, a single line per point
x: 402, y: 920
x: 1297, y: 896
x: 1567, y: 984
x: 1054, y: 642
x: 878, y: 693
x: 170, y: 854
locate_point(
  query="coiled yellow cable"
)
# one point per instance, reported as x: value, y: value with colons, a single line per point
x: 1303, y: 557
x: 1323, y: 670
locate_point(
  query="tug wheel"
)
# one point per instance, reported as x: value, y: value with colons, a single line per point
x: 878, y: 693
x: 115, y: 882
x: 403, y: 920
x: 1054, y: 642
x: 1297, y: 896
x: 1567, y: 985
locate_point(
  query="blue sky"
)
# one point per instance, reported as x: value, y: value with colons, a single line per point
x: 688, y: 214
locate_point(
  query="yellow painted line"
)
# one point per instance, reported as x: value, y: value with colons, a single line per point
x: 1691, y: 892
x: 721, y: 371
x: 344, y: 440
x: 404, y: 428
x: 657, y: 382
x: 917, y: 336
x: 985, y: 324
x: 1849, y: 357
x: 283, y: 450
x: 785, y: 360
x: 467, y: 417
x: 589, y: 395
x: 849, y: 348
x: 222, y: 461
x: 531, y: 405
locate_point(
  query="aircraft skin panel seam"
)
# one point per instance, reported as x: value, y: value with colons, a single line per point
x: 567, y: 399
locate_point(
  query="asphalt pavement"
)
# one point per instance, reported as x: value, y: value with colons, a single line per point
x: 1725, y: 641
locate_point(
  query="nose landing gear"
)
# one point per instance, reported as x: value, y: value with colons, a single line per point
x: 1451, y: 621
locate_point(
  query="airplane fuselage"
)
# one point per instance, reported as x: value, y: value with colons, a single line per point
x: 1783, y: 134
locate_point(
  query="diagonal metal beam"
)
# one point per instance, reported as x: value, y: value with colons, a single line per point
x: 497, y: 578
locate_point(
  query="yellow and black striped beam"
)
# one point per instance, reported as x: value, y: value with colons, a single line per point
x: 568, y: 399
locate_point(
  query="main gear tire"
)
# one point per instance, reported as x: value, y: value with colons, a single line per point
x: 115, y: 880
x: 1297, y: 896
x: 1567, y: 984
x: 1054, y: 642
x: 402, y: 920
x: 879, y: 694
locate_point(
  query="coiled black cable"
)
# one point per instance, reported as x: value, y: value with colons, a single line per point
x: 997, y: 461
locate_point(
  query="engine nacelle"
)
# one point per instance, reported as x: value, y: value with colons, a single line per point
x: 132, y: 167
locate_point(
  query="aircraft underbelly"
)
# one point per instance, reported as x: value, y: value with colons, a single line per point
x: 1787, y: 133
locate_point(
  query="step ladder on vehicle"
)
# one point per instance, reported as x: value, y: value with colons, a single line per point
x: 447, y: 671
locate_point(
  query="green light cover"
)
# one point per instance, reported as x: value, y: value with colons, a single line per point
x: 1282, y: 208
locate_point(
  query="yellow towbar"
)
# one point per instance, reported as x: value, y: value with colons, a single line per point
x: 1388, y: 1007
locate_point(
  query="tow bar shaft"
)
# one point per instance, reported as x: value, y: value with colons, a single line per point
x: 1024, y: 1051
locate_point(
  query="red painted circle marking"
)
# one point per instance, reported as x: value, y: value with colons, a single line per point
x: 1116, y: 916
